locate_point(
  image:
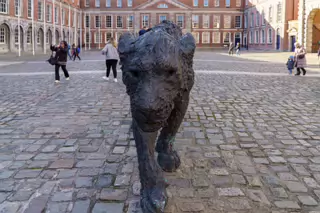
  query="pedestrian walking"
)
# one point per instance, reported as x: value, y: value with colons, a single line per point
x: 300, y: 59
x: 231, y: 48
x: 290, y: 64
x: 61, y: 57
x: 238, y: 49
x: 111, y: 53
x: 76, y: 52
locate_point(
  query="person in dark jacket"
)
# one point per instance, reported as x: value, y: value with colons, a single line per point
x: 143, y: 31
x: 62, y: 57
x: 290, y: 64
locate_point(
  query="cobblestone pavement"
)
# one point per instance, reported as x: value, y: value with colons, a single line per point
x: 248, y: 143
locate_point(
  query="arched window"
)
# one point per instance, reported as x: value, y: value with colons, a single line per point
x: 162, y: 6
x: 29, y: 35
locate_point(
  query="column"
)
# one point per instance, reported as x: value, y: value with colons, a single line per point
x: 301, y: 23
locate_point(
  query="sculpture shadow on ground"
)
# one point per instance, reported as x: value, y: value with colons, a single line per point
x: 157, y: 70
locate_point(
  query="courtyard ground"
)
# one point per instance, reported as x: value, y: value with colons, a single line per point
x: 250, y: 141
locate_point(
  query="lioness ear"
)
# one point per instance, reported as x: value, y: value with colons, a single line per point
x: 125, y: 42
x: 187, y: 44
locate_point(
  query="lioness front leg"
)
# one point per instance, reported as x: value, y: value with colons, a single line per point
x: 168, y: 158
x: 153, y: 186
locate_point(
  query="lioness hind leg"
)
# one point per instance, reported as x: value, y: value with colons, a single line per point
x: 168, y: 158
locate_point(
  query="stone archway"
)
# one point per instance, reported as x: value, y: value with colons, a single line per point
x: 16, y: 38
x: 313, y: 31
x: 4, y: 38
x: 40, y: 39
x: 49, y: 37
x: 57, y: 37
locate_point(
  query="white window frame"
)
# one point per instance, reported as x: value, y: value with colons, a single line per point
x: 256, y: 36
x: 257, y: 19
x: 269, y: 36
x: 4, y: 7
x: 16, y: 7
x: 29, y: 35
x: 117, y: 21
x: 97, y: 3
x: 214, y: 33
x: 130, y: 21
x: 88, y: 37
x: 95, y: 21
x: 3, y: 35
x: 195, y: 3
x: 119, y: 3
x: 162, y: 6
x: 56, y: 15
x: 238, y: 3
x: 49, y: 12
x: 228, y: 2
x: 16, y: 35
x: 87, y: 3
x: 246, y: 20
x: 206, y: 4
x: 263, y: 18
x: 195, y: 21
x: 217, y: 3
x: 106, y: 36
x: 182, y: 22
x: 252, y: 20
x: 208, y: 37
x: 29, y: 13
x: 216, y: 20
x: 47, y: 37
x: 225, y: 26
x: 108, y: 3
x: 229, y: 39
x: 145, y: 21
x: 40, y: 11
x: 129, y: 2
x: 111, y: 20
x: 206, y: 21
x: 196, y: 36
x: 251, y: 41
x: 235, y: 22
x: 38, y: 37
x: 161, y: 16
x: 279, y: 12
x: 87, y: 21
x: 63, y: 17
x: 263, y: 36
x: 95, y: 38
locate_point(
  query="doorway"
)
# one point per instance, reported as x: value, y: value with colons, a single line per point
x: 293, y: 41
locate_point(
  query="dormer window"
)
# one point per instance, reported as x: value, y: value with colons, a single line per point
x: 162, y: 6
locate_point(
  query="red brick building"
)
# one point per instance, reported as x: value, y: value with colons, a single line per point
x: 213, y: 23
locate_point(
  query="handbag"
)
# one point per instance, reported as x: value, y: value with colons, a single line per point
x: 301, y: 56
x: 53, y: 59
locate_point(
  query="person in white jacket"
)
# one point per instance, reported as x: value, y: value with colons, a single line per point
x: 112, y: 57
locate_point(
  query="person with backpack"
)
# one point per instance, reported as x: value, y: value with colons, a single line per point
x: 61, y: 57
x: 112, y: 57
x: 76, y: 53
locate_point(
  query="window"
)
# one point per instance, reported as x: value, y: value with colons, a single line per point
x: 237, y: 21
x: 257, y: 37
x: 119, y: 3
x: 279, y: 12
x: 162, y: 6
x: 38, y: 37
x: 108, y: 36
x: 217, y: 3
x: 29, y: 36
x: 97, y: 3
x: 56, y: 14
x: 227, y: 21
x: 269, y: 36
x: 205, y: 21
x: 16, y: 36
x: 195, y: 3
x: 119, y: 22
x: 30, y: 8
x: 130, y: 21
x: 108, y: 21
x: 2, y: 35
x: 97, y: 38
x: 196, y: 36
x: 49, y: 14
x: 17, y: 5
x: 263, y: 37
x: 108, y: 3
x: 227, y: 3
x: 237, y: 38
x: 251, y: 37
x: 63, y: 17
x: 263, y: 18
x: 257, y: 19
x: 87, y: 21
x: 98, y: 21
x: 246, y: 20
x: 180, y: 20
x: 145, y: 21
x: 87, y: 4
x: 252, y: 20
x: 40, y: 6
x: 205, y: 3
x: 4, y: 6
x: 129, y: 3
x: 238, y: 3
x: 88, y: 38
x: 205, y: 38
x: 216, y: 37
x: 47, y: 37
x: 195, y: 21
x: 270, y: 14
x: 216, y: 21
x: 226, y: 37
x: 162, y: 18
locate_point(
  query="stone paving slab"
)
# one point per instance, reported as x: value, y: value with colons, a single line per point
x: 247, y: 144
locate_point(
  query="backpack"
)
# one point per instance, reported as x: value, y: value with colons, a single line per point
x: 53, y: 59
x: 78, y: 50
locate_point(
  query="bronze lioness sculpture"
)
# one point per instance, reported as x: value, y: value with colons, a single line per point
x: 157, y: 69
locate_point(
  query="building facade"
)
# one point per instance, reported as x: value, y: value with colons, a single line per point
x: 271, y: 24
x: 309, y: 24
x: 35, y: 24
x: 213, y: 23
